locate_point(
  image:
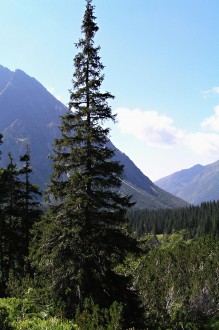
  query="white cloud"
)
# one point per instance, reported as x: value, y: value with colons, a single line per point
x: 149, y: 126
x: 202, y: 143
x: 212, y: 122
x: 173, y: 148
x: 215, y: 90
x: 157, y: 130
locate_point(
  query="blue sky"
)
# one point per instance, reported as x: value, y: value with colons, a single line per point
x: 161, y: 63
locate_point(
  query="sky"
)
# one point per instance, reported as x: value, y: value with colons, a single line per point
x: 161, y: 61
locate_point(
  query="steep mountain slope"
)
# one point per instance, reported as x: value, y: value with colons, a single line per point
x: 143, y: 189
x: 30, y: 114
x: 195, y: 185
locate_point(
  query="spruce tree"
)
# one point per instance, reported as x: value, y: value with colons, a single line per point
x: 29, y: 202
x: 84, y: 234
x: 18, y: 212
x: 2, y: 230
x: 1, y: 171
x: 9, y: 221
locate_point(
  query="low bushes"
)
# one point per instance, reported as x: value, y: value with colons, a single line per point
x: 25, y: 314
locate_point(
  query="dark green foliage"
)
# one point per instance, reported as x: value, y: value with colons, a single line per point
x: 29, y: 204
x: 84, y: 234
x: 18, y: 212
x: 4, y: 319
x: 197, y: 220
x: 92, y: 317
x: 10, y: 223
x: 86, y: 265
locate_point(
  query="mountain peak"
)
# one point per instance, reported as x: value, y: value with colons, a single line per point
x: 5, y: 78
x: 19, y: 74
x: 4, y: 69
x: 29, y: 113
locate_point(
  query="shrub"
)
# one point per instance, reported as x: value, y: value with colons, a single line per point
x: 93, y: 317
x: 4, y: 319
x: 49, y: 324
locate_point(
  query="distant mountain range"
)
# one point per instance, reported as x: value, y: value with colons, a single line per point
x: 30, y: 114
x: 195, y: 185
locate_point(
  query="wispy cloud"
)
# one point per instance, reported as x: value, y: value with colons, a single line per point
x: 202, y: 143
x: 208, y: 93
x: 212, y: 122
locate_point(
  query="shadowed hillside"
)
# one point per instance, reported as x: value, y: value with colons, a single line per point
x: 30, y: 114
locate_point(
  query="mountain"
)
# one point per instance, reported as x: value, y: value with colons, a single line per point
x: 144, y: 191
x: 196, y: 185
x: 30, y: 114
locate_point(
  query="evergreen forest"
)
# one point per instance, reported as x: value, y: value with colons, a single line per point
x: 80, y: 255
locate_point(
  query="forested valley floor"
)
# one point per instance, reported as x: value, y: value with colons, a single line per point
x: 175, y: 272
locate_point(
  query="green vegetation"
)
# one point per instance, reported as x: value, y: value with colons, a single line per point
x: 22, y: 314
x: 25, y: 314
x: 18, y: 212
x: 83, y: 235
x: 178, y: 280
x: 197, y: 220
x: 78, y: 264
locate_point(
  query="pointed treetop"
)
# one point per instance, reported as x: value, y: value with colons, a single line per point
x: 89, y: 27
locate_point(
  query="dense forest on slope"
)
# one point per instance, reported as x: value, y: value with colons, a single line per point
x: 197, y: 220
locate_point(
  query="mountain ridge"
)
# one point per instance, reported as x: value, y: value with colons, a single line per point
x: 30, y: 114
x: 197, y: 184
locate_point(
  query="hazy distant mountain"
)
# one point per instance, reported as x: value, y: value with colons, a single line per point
x: 144, y: 191
x: 195, y: 185
x: 30, y: 114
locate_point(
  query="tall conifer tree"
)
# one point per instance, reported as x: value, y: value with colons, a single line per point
x: 1, y: 170
x: 84, y: 235
x: 29, y: 203
x: 18, y: 211
x: 9, y: 221
x: 2, y: 229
